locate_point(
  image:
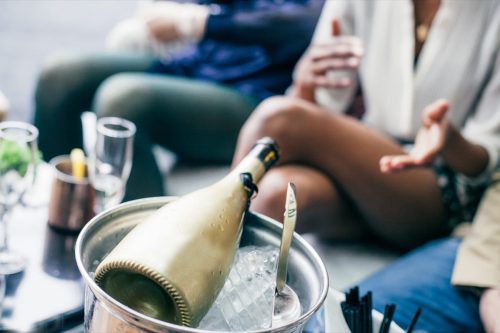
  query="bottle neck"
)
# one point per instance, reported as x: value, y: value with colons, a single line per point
x: 251, y: 165
x: 263, y: 155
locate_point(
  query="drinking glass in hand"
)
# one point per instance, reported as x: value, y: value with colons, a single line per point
x: 18, y: 155
x: 111, y: 161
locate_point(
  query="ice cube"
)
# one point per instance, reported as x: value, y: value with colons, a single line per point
x: 246, y: 300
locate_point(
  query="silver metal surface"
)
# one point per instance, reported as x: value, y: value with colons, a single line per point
x: 289, y: 221
x: 286, y: 302
x: 307, y: 273
x: 286, y: 307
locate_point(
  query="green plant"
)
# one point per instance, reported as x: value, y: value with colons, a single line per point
x: 16, y: 157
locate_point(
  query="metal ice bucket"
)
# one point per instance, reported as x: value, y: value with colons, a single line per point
x: 306, y: 272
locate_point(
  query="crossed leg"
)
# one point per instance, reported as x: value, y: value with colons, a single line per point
x: 335, y: 160
x: 320, y: 202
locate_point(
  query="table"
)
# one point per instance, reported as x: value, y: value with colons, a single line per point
x: 48, y: 295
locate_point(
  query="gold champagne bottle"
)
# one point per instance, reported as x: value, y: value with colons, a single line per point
x: 173, y: 265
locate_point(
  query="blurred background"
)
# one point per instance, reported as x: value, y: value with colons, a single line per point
x: 31, y: 29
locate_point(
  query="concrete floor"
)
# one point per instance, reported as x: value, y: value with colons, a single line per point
x: 31, y: 30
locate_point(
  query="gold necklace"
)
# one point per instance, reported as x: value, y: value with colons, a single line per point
x: 422, y: 31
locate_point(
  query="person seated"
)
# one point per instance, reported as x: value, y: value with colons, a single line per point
x: 192, y: 102
x: 454, y: 280
x: 334, y: 159
x: 408, y: 54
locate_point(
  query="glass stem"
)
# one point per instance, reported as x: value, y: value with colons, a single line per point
x: 4, y: 216
x: 99, y: 205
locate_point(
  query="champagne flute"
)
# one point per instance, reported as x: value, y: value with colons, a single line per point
x: 111, y: 161
x: 18, y: 149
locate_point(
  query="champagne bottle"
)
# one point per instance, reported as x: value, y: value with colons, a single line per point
x: 172, y: 266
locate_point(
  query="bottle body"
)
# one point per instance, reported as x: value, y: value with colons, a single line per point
x: 172, y: 266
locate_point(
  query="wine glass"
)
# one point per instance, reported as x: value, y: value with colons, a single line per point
x: 18, y: 155
x: 111, y: 160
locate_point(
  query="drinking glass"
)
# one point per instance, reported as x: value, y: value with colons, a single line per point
x: 18, y: 149
x: 111, y: 160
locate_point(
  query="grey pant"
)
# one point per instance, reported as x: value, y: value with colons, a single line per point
x: 199, y: 121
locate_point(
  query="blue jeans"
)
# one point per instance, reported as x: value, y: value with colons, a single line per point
x: 422, y: 279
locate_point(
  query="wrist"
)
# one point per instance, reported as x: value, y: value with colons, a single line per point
x: 464, y: 156
x: 451, y: 139
x: 304, y: 91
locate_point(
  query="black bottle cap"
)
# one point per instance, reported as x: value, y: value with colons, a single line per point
x: 267, y: 150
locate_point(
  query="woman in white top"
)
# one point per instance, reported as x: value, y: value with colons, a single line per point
x: 405, y: 56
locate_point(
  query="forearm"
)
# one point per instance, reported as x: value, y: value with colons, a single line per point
x: 464, y: 156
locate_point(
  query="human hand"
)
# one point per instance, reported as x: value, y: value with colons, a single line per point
x: 489, y: 308
x: 131, y: 35
x: 429, y: 143
x: 169, y: 21
x: 340, y: 53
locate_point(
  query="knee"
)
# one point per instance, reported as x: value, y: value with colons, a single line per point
x: 62, y: 74
x: 270, y: 200
x: 277, y: 117
x: 270, y: 117
x: 123, y: 95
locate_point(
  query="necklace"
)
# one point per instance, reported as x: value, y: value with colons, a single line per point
x: 424, y: 10
x: 422, y: 31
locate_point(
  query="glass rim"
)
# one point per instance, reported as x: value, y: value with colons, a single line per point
x: 56, y: 161
x: 129, y: 128
x: 31, y: 130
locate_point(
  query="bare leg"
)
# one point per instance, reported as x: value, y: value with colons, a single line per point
x: 404, y: 209
x: 321, y: 207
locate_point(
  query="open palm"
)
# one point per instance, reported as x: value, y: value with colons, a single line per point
x: 429, y: 142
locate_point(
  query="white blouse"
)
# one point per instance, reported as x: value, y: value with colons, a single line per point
x: 460, y: 61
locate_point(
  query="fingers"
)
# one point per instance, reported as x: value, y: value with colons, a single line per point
x: 320, y: 74
x: 395, y: 163
x: 157, y: 10
x: 326, y: 58
x: 324, y: 81
x: 435, y: 112
x: 341, y: 47
x: 325, y: 65
x: 332, y: 83
x: 336, y: 27
x: 341, y: 53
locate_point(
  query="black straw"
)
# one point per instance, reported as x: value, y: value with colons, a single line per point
x: 414, y: 320
x: 358, y: 313
x: 386, y: 321
x: 367, y: 304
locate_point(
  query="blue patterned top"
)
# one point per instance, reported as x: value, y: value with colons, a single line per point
x: 251, y: 45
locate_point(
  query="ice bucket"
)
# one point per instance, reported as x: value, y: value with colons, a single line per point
x: 306, y: 272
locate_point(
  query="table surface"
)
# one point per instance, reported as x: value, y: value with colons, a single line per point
x: 48, y: 295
